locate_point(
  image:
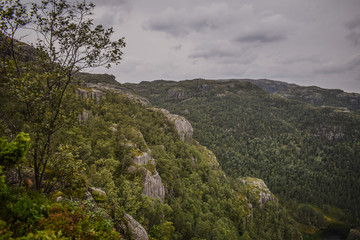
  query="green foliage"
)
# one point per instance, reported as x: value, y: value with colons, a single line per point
x: 97, y: 78
x: 22, y: 211
x: 5, y: 233
x: 309, y: 216
x: 2, y: 181
x: 13, y: 153
x: 162, y: 232
x: 75, y: 223
x: 67, y: 41
x: 303, y: 153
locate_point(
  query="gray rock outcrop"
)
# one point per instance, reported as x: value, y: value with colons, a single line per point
x: 95, y: 94
x: 182, y: 125
x: 137, y: 230
x: 259, y: 188
x: 144, y: 158
x: 153, y: 186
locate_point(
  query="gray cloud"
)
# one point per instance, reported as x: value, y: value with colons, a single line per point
x: 354, y: 26
x: 223, y: 53
x: 338, y: 68
x: 179, y: 23
x: 353, y: 23
x: 112, y: 12
x: 176, y: 47
x: 268, y: 28
x: 354, y: 38
x: 262, y: 37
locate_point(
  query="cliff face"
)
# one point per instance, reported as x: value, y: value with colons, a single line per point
x: 153, y: 186
x: 182, y: 125
x: 152, y: 183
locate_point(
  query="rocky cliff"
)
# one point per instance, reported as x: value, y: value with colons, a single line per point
x: 182, y: 126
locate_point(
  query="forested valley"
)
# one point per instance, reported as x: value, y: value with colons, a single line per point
x: 308, y: 155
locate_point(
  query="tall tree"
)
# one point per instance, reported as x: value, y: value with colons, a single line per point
x: 67, y: 42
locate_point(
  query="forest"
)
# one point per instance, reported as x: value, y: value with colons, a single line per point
x: 307, y: 155
x: 85, y: 161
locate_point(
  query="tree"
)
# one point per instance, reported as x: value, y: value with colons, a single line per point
x: 67, y: 42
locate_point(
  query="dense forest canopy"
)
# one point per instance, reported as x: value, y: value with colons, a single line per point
x: 306, y: 154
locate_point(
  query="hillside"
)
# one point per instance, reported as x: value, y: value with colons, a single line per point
x: 317, y: 96
x: 136, y: 165
x: 305, y: 154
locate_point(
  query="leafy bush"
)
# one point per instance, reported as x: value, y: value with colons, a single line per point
x: 76, y: 223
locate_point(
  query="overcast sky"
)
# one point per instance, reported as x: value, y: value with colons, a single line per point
x: 305, y: 42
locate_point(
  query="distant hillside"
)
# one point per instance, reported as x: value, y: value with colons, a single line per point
x: 323, y: 97
x: 317, y: 96
x: 306, y: 154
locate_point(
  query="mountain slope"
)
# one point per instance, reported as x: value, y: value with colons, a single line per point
x: 141, y: 166
x: 304, y: 153
x: 317, y: 96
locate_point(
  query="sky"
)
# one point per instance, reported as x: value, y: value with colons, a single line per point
x: 305, y: 42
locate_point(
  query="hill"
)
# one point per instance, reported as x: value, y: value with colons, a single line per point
x: 138, y: 173
x: 305, y: 154
x: 317, y: 96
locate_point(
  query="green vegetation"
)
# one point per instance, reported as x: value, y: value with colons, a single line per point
x: 303, y: 153
x: 68, y: 178
x: 72, y: 167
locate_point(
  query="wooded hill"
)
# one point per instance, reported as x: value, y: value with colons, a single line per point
x: 306, y: 154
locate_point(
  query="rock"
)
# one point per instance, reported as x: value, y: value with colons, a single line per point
x: 60, y: 199
x: 95, y: 94
x: 144, y: 158
x: 98, y: 194
x: 259, y: 188
x: 331, y: 133
x: 152, y: 183
x: 97, y: 190
x: 137, y: 230
x: 84, y: 116
x: 182, y: 126
x: 118, y: 89
x: 153, y: 186
x: 177, y: 93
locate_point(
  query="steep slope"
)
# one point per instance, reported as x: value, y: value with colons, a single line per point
x: 140, y: 171
x: 304, y: 153
x: 198, y: 199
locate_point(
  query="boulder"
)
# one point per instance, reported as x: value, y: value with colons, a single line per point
x: 98, y: 194
x: 136, y: 229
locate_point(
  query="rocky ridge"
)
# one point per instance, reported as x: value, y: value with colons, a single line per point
x: 181, y: 124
